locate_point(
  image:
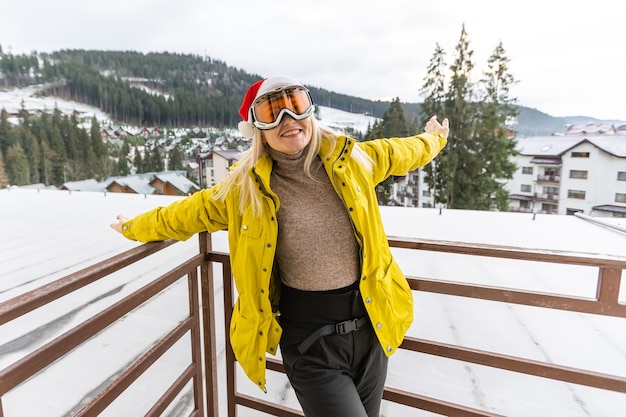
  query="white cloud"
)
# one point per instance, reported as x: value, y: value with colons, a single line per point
x: 566, y: 56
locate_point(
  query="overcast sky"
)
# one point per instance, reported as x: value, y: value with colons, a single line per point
x: 568, y: 57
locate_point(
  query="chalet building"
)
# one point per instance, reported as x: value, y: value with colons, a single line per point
x: 412, y: 191
x: 172, y: 183
x: 132, y: 184
x: 569, y: 174
x: 148, y: 131
x: 114, y: 132
x: 582, y: 169
x: 214, y: 159
x: 214, y: 165
x: 161, y: 183
x: 84, y: 185
x: 590, y: 129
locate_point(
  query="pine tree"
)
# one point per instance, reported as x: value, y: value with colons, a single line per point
x: 6, y: 132
x: 495, y: 108
x: 458, y: 160
x: 31, y: 149
x: 393, y: 124
x: 138, y: 162
x: 122, y: 162
x: 4, y: 179
x: 59, y: 163
x: 175, y: 160
x: 434, y: 91
x: 394, y: 121
x: 469, y: 171
x: 17, y: 167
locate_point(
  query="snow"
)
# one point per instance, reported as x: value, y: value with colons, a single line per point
x: 48, y: 234
x: 341, y: 120
x: 11, y: 100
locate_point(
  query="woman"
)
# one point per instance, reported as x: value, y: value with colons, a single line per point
x: 310, y: 258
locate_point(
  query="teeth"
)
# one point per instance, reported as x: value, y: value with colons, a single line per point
x: 291, y: 133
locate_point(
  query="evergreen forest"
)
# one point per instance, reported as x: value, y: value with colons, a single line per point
x: 171, y: 90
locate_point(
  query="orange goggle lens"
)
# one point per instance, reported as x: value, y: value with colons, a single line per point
x: 268, y: 111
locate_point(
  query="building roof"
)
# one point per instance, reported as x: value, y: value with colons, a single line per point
x: 84, y: 185
x: 556, y: 146
x: 228, y: 154
x: 610, y: 208
x: 138, y: 184
x: 181, y: 183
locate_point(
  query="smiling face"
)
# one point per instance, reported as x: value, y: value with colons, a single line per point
x: 290, y: 136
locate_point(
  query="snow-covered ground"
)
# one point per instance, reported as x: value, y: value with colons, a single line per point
x: 30, y: 97
x: 48, y: 234
x: 13, y: 99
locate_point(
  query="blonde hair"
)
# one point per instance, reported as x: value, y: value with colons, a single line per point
x: 249, y: 192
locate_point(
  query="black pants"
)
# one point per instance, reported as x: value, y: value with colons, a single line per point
x: 341, y: 375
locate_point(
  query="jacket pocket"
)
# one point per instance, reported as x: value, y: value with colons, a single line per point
x: 399, y: 303
x: 242, y: 336
x: 251, y: 227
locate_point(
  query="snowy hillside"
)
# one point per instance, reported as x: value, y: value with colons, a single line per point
x: 32, y: 100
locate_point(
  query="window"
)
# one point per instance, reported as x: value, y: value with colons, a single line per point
x: 621, y: 176
x: 527, y: 170
x: 580, y: 154
x: 620, y: 198
x: 524, y: 204
x: 551, y: 171
x: 527, y: 188
x: 426, y: 193
x: 571, y: 211
x: 574, y: 173
x: 580, y: 195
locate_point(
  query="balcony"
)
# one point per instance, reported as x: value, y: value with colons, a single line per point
x: 546, y: 197
x: 549, y: 178
x: 209, y: 293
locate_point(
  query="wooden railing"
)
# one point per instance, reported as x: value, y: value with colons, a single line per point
x: 199, y: 327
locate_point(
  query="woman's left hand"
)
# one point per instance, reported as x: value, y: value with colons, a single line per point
x: 121, y: 219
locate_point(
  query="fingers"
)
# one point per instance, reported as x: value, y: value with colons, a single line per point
x: 434, y: 126
x: 445, y: 127
x: 121, y: 219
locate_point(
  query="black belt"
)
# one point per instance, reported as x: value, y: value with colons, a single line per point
x: 339, y: 328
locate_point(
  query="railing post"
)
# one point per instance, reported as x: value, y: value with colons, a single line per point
x: 208, y: 326
x: 607, y: 292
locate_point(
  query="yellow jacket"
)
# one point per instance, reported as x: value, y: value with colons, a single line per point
x: 254, y: 329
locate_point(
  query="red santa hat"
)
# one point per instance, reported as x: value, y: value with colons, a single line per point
x: 256, y: 90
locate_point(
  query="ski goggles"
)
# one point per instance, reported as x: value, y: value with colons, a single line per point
x: 269, y: 109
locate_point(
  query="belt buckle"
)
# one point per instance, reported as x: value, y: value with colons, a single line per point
x: 346, y: 326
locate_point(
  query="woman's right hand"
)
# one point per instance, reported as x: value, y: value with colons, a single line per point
x: 121, y: 219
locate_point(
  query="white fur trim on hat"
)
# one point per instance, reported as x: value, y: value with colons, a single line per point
x: 246, y: 129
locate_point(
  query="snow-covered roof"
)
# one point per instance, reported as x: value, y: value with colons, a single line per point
x: 558, y: 145
x: 85, y: 185
x: 138, y: 184
x: 228, y: 154
x: 181, y: 183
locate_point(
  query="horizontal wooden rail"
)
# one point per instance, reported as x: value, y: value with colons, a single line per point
x: 605, y: 303
x: 39, y: 359
x: 200, y: 326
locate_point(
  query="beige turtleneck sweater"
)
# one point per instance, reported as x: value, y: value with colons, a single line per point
x: 317, y: 249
